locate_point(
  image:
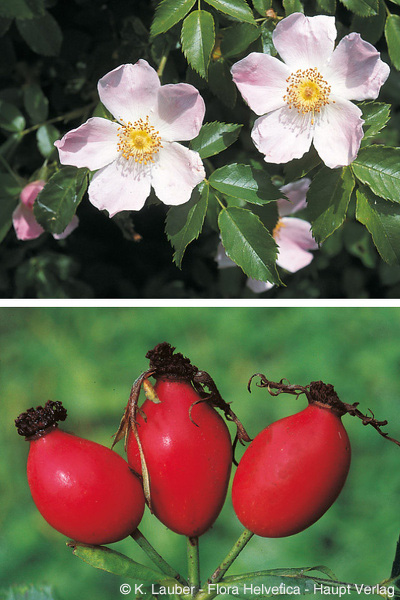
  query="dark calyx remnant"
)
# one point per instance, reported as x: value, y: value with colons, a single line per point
x: 166, y: 364
x: 322, y: 394
x: 35, y: 421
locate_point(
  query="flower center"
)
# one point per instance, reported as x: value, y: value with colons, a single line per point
x: 277, y: 228
x: 139, y: 141
x: 307, y: 91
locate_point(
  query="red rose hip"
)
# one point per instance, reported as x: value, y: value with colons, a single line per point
x: 83, y: 489
x: 293, y: 471
x: 186, y: 445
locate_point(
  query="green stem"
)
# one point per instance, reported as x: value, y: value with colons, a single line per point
x: 156, y: 558
x: 193, y: 563
x: 18, y: 179
x: 163, y: 62
x: 220, y: 203
x: 220, y: 571
x: 70, y: 115
x: 231, y: 556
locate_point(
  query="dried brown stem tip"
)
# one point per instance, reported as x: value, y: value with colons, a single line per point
x: 36, y: 420
x: 322, y: 394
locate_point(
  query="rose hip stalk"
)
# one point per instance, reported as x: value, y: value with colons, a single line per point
x: 294, y: 470
x: 82, y: 489
x: 180, y: 444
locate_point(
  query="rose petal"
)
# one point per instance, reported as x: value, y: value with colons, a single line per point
x: 282, y: 135
x: 355, y: 70
x: 69, y: 229
x: 258, y: 287
x: 30, y: 192
x: 296, y: 193
x: 130, y: 92
x: 261, y: 79
x: 294, y: 239
x: 304, y: 42
x: 25, y: 225
x: 180, y: 112
x: 338, y: 133
x: 92, y: 145
x: 177, y: 171
x: 120, y: 186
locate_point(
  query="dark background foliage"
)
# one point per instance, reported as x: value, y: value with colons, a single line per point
x: 64, y: 52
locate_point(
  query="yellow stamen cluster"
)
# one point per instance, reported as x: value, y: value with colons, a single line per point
x: 139, y: 141
x: 307, y: 91
x: 277, y: 227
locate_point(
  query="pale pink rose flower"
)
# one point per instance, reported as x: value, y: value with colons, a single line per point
x: 306, y: 98
x: 292, y: 235
x: 25, y: 225
x: 141, y: 150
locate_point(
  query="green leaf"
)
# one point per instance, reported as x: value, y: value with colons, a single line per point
x: 56, y: 204
x: 370, y: 28
x: 42, y: 34
x: 9, y: 193
x: 379, y: 168
x: 21, y: 9
x: 392, y: 34
x: 267, y: 29
x: 198, y: 39
x: 299, y: 167
x: 114, y: 562
x: 237, y: 38
x: 261, y: 583
x: 292, y: 6
x: 261, y: 6
x: 9, y: 186
x: 36, y: 103
x: 375, y: 115
x: 249, y: 244
x: 382, y: 219
x: 168, y: 13
x: 358, y: 242
x: 364, y: 8
x: 11, y: 119
x: 238, y: 9
x: 328, y: 199
x: 215, y: 137
x: 184, y: 223
x: 8, y: 148
x: 46, y: 135
x: 101, y: 111
x: 395, y: 572
x: 326, y: 6
x: 221, y: 83
x: 4, y: 25
x: 246, y: 183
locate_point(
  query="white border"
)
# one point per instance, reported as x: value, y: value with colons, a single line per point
x: 199, y: 303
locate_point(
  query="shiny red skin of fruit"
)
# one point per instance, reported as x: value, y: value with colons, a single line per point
x: 292, y: 473
x: 83, y: 489
x: 189, y: 465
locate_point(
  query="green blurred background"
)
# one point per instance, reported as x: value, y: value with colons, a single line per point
x: 88, y: 358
